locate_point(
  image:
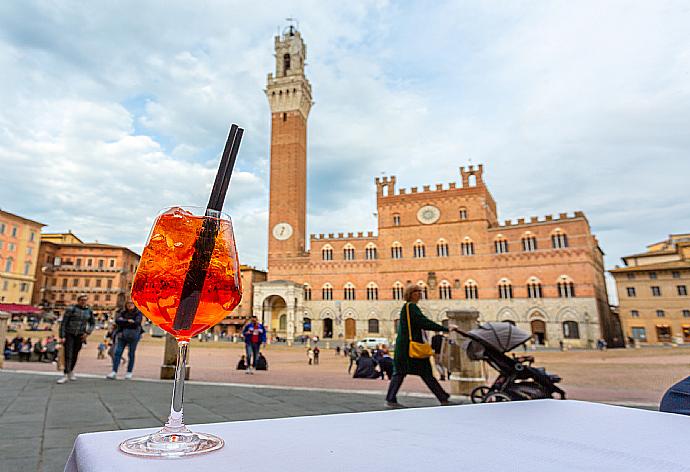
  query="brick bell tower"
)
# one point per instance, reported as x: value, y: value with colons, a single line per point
x: 289, y: 95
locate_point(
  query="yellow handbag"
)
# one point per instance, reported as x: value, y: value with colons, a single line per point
x: 417, y: 350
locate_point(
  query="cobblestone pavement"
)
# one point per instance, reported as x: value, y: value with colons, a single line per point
x: 40, y: 420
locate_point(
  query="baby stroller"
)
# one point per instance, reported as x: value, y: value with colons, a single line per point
x: 517, y: 379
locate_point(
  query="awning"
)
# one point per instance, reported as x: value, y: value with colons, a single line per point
x: 16, y: 308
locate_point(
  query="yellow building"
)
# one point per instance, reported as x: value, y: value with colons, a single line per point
x: 19, y: 242
x: 653, y: 292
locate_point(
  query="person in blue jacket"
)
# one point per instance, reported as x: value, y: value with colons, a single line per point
x: 254, y: 336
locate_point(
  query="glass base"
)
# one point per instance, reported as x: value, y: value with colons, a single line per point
x: 171, y: 443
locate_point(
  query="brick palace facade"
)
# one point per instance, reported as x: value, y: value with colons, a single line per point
x: 544, y: 274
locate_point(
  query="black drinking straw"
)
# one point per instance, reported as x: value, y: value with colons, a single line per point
x: 203, y: 247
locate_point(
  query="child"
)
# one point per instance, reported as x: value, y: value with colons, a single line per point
x: 101, y: 350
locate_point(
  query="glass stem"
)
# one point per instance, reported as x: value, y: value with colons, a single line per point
x: 176, y: 420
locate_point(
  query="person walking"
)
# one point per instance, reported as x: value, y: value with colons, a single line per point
x: 310, y: 356
x: 254, y: 336
x: 77, y: 323
x: 412, y: 322
x: 354, y: 355
x: 128, y: 323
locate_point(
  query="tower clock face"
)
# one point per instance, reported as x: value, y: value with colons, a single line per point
x: 282, y: 231
x: 428, y: 214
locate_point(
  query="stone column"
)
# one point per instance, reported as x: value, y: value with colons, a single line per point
x: 170, y: 359
x: 465, y: 374
x: 4, y: 319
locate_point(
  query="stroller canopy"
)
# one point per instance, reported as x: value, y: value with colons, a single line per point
x: 501, y: 336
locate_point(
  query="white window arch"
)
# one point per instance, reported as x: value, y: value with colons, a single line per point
x: 370, y: 252
x: 372, y: 291
x: 471, y: 290
x: 467, y: 247
x: 442, y: 248
x: 327, y: 252
x: 505, y: 289
x: 529, y: 242
x: 566, y: 287
x: 396, y: 250
x: 419, y: 250
x: 398, y: 290
x: 327, y: 291
x: 559, y: 240
x: 307, y: 291
x: 349, y: 252
x: 501, y: 244
x: 462, y: 213
x: 534, y: 288
x: 445, y: 291
x: 349, y: 291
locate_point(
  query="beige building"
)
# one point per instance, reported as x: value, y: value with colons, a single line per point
x: 653, y: 292
x: 544, y: 274
x: 19, y: 246
x: 68, y: 267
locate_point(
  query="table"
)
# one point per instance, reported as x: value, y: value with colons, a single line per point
x: 540, y: 435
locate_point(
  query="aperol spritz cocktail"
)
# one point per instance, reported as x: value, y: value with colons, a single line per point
x: 157, y: 286
x: 188, y: 280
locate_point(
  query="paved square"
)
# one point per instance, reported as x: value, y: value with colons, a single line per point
x: 40, y: 419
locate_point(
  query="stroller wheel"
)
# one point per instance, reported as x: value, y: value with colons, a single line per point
x: 478, y: 393
x: 496, y: 397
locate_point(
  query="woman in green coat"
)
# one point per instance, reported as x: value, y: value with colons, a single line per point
x: 403, y: 364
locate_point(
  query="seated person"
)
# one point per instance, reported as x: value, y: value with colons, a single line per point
x: 677, y: 398
x: 386, y: 365
x: 366, y: 367
x: 261, y: 362
x: 242, y: 364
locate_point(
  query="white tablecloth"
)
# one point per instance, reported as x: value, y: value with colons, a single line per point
x: 544, y: 435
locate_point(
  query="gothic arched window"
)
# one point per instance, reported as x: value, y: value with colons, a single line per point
x: 349, y: 291
x: 559, y: 240
x: 419, y: 250
x: 349, y: 252
x: 442, y: 248
x: 505, y: 289
x: 327, y: 253
x: 534, y: 288
x: 370, y: 252
x: 467, y: 247
x: 529, y: 242
x: 372, y: 291
x: 398, y: 291
x: 471, y: 290
x: 396, y: 251
x: 566, y: 287
x: 445, y: 292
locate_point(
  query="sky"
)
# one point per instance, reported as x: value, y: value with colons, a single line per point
x: 112, y: 111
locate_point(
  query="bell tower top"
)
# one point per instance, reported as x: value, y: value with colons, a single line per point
x: 289, y: 90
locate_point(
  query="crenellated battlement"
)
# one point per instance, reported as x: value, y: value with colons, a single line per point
x: 537, y: 220
x: 359, y: 235
x: 470, y: 178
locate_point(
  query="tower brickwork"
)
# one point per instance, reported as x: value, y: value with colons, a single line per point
x: 289, y: 96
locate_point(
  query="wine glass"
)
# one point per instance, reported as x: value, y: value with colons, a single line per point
x: 188, y: 280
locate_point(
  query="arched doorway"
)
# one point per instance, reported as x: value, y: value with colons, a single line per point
x: 328, y: 328
x: 274, y: 316
x: 539, y: 331
x: 350, y: 328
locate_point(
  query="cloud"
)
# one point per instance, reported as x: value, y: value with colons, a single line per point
x: 108, y: 115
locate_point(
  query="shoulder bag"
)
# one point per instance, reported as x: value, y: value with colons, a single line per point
x: 417, y: 350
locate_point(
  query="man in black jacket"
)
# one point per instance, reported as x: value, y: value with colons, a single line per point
x: 77, y: 323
